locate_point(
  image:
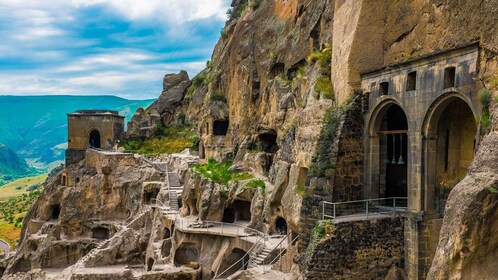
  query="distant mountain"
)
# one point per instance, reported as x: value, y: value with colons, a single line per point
x: 35, y: 127
x: 11, y: 166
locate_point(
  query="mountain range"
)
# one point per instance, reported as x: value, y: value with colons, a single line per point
x: 33, y: 129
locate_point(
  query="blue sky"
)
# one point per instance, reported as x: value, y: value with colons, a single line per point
x: 104, y: 47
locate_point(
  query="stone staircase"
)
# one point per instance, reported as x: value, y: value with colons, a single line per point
x: 173, y: 201
x: 259, y: 258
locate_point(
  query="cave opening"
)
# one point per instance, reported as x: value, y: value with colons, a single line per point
x: 228, y: 215
x: 150, y: 196
x: 100, y: 233
x: 55, y: 211
x: 220, y: 127
x: 166, y: 248
x: 278, y: 69
x: 186, y: 254
x: 242, y: 210
x: 232, y: 262
x: 281, y: 226
x: 150, y: 264
x: 166, y: 233
x: 268, y: 141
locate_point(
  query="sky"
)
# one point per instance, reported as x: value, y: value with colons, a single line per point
x: 104, y: 47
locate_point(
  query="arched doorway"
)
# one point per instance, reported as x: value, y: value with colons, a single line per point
x: 450, y: 144
x: 388, y: 152
x: 94, y: 139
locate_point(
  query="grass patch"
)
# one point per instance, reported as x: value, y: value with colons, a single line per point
x: 217, y: 95
x: 323, y: 57
x: 324, y: 87
x: 256, y: 184
x: 20, y: 186
x: 485, y: 122
x: 14, y: 209
x: 300, y: 190
x: 321, y: 229
x: 220, y: 173
x: 167, y: 140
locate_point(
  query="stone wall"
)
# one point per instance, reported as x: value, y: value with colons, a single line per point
x: 359, y: 250
x: 336, y: 173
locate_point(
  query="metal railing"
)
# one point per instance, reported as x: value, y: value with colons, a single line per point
x: 363, y: 209
x: 281, y: 251
x: 251, y: 253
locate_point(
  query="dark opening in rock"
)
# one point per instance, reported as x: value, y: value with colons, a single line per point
x: 281, y: 226
x: 180, y: 204
x: 2, y: 270
x: 229, y: 215
x: 186, y: 253
x: 63, y: 179
x: 220, y: 127
x: 242, y: 210
x: 411, y: 81
x: 100, y: 233
x: 166, y: 233
x: 166, y: 248
x: 277, y: 70
x: 202, y: 153
x: 22, y: 265
x: 384, y: 88
x: 150, y: 264
x: 94, y: 139
x: 150, y: 196
x: 234, y: 258
x: 55, y: 212
x: 268, y: 142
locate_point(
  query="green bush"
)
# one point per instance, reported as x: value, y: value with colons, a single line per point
x: 485, y: 98
x: 236, y: 12
x: 220, y: 173
x: 324, y: 87
x: 256, y: 184
x: 300, y: 190
x: 217, y: 95
x: 224, y: 33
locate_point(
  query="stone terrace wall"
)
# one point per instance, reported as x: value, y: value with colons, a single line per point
x: 359, y: 250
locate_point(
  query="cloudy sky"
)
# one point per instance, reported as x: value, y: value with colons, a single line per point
x: 103, y: 47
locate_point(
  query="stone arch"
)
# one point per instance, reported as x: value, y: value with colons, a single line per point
x: 448, y: 148
x: 388, y: 127
x: 186, y: 254
x: 94, y: 138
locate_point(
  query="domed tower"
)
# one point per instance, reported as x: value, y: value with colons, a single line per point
x: 99, y: 129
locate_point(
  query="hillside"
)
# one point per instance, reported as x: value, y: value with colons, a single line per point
x: 35, y: 127
x: 11, y: 166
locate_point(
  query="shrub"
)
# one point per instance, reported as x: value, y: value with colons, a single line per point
x: 484, y: 98
x: 324, y: 87
x: 256, y: 184
x: 217, y: 95
x: 220, y: 173
x: 223, y: 33
x: 300, y: 190
x: 236, y: 12
x: 182, y: 118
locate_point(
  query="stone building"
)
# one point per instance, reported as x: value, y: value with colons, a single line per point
x: 420, y: 137
x: 92, y: 128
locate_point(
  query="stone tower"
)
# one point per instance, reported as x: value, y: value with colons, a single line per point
x: 92, y: 128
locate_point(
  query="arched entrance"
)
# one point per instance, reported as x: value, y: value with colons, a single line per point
x: 450, y: 144
x: 388, y: 163
x: 281, y: 226
x: 94, y: 139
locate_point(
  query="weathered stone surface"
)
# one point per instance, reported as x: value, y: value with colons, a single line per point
x: 468, y: 245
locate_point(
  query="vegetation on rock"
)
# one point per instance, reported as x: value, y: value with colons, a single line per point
x: 484, y: 98
x: 167, y: 140
x: 220, y: 172
x: 320, y: 231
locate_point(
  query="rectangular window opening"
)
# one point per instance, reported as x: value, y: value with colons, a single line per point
x: 449, y: 77
x: 411, y: 81
x: 384, y: 88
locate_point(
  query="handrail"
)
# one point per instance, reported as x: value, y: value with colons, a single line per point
x: 280, y: 253
x: 216, y: 275
x: 394, y: 208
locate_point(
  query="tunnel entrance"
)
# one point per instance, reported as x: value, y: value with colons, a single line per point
x: 55, y: 211
x: 150, y: 196
x: 229, y: 215
x: 186, y: 254
x: 166, y: 233
x: 150, y: 264
x: 166, y: 248
x: 100, y: 233
x: 281, y: 226
x: 220, y: 127
x: 394, y: 153
x: 94, y: 139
